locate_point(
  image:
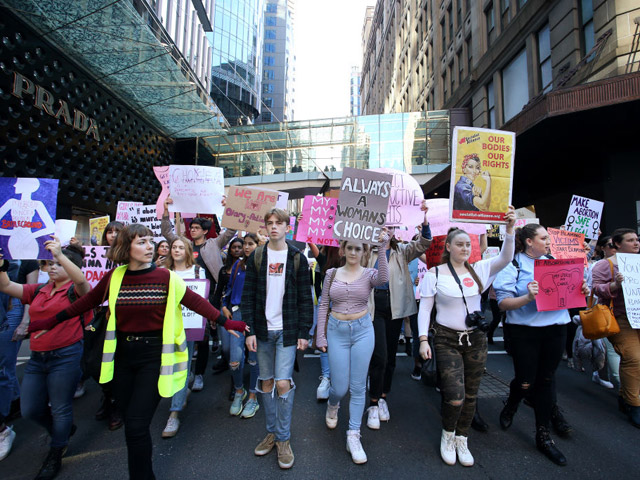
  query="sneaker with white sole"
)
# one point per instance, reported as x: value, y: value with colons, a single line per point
x: 198, y: 383
x: 373, y: 418
x: 7, y: 436
x: 173, y: 424
x: 80, y: 390
x: 331, y: 417
x: 596, y: 378
x: 448, y: 447
x: 250, y: 408
x: 236, y: 406
x: 322, y: 393
x: 354, y: 447
x: 383, y: 410
x: 285, y: 455
x: 464, y: 455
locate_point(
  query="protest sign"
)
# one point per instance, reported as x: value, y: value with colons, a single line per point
x: 405, y: 234
x: 520, y: 222
x: 438, y: 216
x: 27, y: 217
x: 436, y: 249
x: 565, y: 244
x: 318, y: 216
x: 65, y: 230
x: 559, y: 283
x: 584, y: 216
x: 194, y: 324
x: 481, y: 174
x: 146, y: 215
x: 292, y: 227
x: 95, y: 263
x: 246, y: 208
x: 405, y: 200
x: 124, y: 209
x: 491, y: 252
x: 422, y: 270
x: 196, y: 189
x: 96, y: 227
x: 629, y: 266
x: 361, y: 212
x: 162, y: 174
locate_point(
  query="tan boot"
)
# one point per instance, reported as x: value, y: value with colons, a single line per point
x: 285, y: 454
x: 266, y: 445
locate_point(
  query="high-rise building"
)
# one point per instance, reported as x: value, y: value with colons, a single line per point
x: 278, y: 70
x: 563, y: 74
x: 354, y: 92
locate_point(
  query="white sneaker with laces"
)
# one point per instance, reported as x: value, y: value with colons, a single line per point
x: 322, y: 393
x: 596, y: 378
x: 354, y: 447
x: 383, y: 410
x: 173, y: 424
x: 448, y: 447
x: 198, y: 383
x: 373, y: 418
x: 331, y: 417
x: 7, y: 436
x: 464, y: 455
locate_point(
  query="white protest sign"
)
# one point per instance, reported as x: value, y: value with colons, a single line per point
x: 65, y: 229
x: 520, y: 222
x: 146, y: 215
x: 191, y: 319
x: 438, y: 216
x: 584, y: 216
x: 491, y: 252
x: 629, y: 266
x: 124, y: 209
x: 196, y: 189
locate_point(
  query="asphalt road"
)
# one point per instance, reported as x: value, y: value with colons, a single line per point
x: 213, y: 445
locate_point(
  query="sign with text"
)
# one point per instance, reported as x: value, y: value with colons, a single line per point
x: 629, y: 266
x: 196, y: 189
x: 405, y: 200
x: 194, y: 324
x: 422, y: 271
x: 438, y: 216
x: 146, y: 215
x: 124, y: 209
x: 246, y: 208
x: 318, y: 216
x: 362, y: 206
x: 520, y: 222
x: 481, y: 174
x: 559, y: 283
x: 491, y: 252
x: 96, y: 227
x: 436, y: 249
x: 96, y: 264
x: 27, y: 217
x: 584, y: 216
x: 565, y: 244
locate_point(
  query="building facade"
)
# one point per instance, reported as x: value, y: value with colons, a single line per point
x: 354, y: 92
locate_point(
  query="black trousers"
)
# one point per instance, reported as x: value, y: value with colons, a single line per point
x: 135, y: 387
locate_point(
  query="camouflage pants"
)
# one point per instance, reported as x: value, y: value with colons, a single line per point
x: 461, y: 358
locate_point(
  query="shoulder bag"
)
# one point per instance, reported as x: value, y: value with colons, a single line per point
x: 598, y: 320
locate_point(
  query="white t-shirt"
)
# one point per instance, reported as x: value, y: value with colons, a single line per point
x: 277, y: 267
x: 189, y: 273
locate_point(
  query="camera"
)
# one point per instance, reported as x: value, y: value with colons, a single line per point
x: 478, y: 320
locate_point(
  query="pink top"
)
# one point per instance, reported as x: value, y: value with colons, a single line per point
x: 602, y: 278
x: 349, y: 297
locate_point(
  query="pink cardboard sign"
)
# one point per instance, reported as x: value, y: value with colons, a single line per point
x: 318, y: 216
x: 123, y: 213
x: 566, y: 244
x: 436, y: 249
x: 405, y: 200
x: 438, y: 216
x: 560, y: 282
x: 96, y: 264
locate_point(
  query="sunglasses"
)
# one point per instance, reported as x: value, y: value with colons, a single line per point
x: 610, y: 245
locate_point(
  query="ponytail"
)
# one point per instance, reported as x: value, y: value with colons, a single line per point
x: 523, y: 233
x: 451, y: 234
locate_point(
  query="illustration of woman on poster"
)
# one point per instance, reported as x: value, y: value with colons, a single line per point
x: 468, y: 196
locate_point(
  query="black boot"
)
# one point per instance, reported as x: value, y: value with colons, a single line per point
x: 478, y: 423
x: 51, y: 465
x: 546, y: 446
x: 560, y: 425
x: 622, y: 405
x: 507, y: 413
x: 634, y: 416
x: 105, y: 408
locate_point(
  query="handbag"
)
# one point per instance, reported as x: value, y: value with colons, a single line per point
x: 598, y: 320
x: 429, y: 372
x: 94, y: 337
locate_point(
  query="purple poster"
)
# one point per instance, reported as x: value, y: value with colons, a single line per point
x: 316, y: 226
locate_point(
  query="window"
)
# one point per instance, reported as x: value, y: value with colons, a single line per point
x: 270, y: 47
x: 521, y: 3
x: 515, y: 86
x: 459, y: 14
x: 469, y: 54
x: 460, y: 66
x: 267, y: 88
x: 444, y: 84
x: 272, y: 8
x: 270, y: 34
x: 467, y: 6
x: 269, y: 60
x: 267, y: 117
x: 505, y: 13
x: 544, y: 57
x: 268, y: 101
x: 491, y: 105
x: 586, y: 16
x: 270, y: 21
x: 450, y: 15
x: 491, y: 24
x: 268, y: 74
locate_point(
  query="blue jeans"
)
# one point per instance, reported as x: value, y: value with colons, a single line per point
x: 52, y: 377
x: 177, y: 401
x: 236, y: 356
x: 325, y: 371
x: 9, y: 386
x: 276, y: 363
x: 350, y: 348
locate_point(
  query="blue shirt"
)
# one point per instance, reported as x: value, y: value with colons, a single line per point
x: 236, y: 284
x: 463, y: 195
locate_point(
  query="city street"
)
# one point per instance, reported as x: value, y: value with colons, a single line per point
x: 212, y: 444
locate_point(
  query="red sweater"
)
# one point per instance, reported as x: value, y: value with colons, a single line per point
x: 141, y: 302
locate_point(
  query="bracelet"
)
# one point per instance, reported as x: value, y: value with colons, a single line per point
x: 424, y: 340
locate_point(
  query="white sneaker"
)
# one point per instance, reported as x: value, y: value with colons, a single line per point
x: 464, y: 455
x: 596, y: 378
x: 7, y: 436
x: 373, y: 418
x: 448, y: 447
x: 322, y: 393
x: 354, y: 447
x: 383, y: 410
x: 198, y: 383
x: 331, y: 417
x: 80, y: 390
x: 173, y: 424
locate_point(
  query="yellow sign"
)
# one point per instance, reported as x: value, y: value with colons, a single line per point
x: 96, y: 227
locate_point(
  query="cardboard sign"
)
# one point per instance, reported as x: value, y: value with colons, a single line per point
x: 362, y: 206
x: 438, y: 216
x: 292, y: 228
x: 584, y: 216
x: 491, y: 252
x: 405, y: 201
x: 560, y: 283
x: 27, y: 217
x: 66, y: 230
x: 96, y: 227
x: 96, y: 264
x: 436, y: 249
x: 196, y: 189
x: 318, y: 216
x: 520, y: 222
x: 162, y: 174
x: 194, y: 324
x: 124, y: 209
x: 246, y: 208
x: 146, y: 215
x: 629, y: 266
x: 481, y: 174
x: 565, y: 244
x: 422, y: 270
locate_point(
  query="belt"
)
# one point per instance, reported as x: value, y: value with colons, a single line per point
x: 381, y: 291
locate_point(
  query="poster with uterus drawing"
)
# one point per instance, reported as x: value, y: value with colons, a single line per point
x: 27, y: 216
x: 559, y: 284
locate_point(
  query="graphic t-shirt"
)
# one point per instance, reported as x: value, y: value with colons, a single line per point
x: 197, y: 257
x: 277, y: 267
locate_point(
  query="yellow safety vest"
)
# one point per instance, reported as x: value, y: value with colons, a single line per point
x: 173, y: 367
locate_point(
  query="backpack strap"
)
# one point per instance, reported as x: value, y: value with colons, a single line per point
x: 257, y: 259
x: 197, y: 270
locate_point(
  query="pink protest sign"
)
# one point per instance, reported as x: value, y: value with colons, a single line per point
x: 560, y: 283
x: 318, y: 216
x: 162, y: 174
x: 565, y: 244
x: 438, y: 216
x: 405, y: 200
x: 96, y: 264
x: 123, y: 214
x: 436, y: 249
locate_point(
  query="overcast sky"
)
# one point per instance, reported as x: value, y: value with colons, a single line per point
x: 328, y: 42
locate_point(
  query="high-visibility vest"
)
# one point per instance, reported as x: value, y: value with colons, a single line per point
x: 174, y: 360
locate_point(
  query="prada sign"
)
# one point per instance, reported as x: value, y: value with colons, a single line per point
x: 44, y: 100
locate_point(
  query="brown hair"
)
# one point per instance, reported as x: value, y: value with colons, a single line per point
x: 188, y: 251
x: 119, y: 253
x: 618, y: 235
x: 530, y: 230
x: 365, y: 252
x: 280, y: 214
x: 115, y: 226
x: 451, y: 234
x: 254, y: 238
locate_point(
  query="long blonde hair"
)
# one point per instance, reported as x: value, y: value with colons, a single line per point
x: 188, y: 251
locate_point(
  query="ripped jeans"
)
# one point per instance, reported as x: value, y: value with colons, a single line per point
x: 275, y: 362
x: 236, y: 359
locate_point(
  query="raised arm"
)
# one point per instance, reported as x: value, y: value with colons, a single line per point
x: 381, y: 276
x: 75, y: 273
x: 165, y: 224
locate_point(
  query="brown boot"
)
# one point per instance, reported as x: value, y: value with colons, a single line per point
x: 266, y: 445
x: 285, y: 454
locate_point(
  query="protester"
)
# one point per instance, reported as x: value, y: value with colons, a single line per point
x: 161, y: 254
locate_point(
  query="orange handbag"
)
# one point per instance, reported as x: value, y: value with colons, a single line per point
x: 598, y: 320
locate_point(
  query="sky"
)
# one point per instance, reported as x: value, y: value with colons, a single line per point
x: 327, y: 42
